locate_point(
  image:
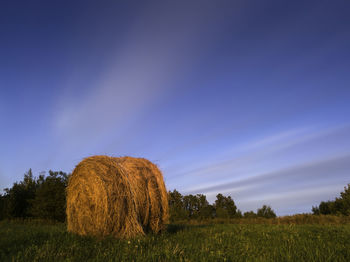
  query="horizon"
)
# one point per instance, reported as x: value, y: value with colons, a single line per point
x: 247, y: 99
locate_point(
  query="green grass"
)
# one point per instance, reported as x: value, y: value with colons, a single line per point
x: 31, y: 241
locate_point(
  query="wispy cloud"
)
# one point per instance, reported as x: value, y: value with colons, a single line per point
x: 261, y: 155
x: 311, y: 171
x: 301, y: 199
x: 313, y: 162
x: 142, y: 71
x: 298, y: 187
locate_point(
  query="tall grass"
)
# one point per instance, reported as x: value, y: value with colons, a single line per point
x: 31, y: 241
x: 299, y: 219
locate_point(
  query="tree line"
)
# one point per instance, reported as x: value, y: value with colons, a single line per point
x: 197, y: 207
x: 339, y: 206
x: 44, y: 197
x: 36, y: 197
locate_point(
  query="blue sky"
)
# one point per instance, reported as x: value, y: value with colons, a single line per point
x: 247, y: 98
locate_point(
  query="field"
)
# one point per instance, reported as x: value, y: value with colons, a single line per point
x: 36, y: 241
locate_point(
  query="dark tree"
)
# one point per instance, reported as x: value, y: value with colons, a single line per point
x: 176, y: 206
x: 197, y: 206
x: 345, y: 201
x: 326, y: 208
x: 339, y: 206
x: 189, y: 206
x: 207, y: 212
x: 224, y: 207
x: 202, y: 208
x: 239, y: 214
x: 266, y: 212
x: 3, y: 206
x: 249, y: 214
x: 50, y: 197
x: 316, y: 210
x: 19, y: 197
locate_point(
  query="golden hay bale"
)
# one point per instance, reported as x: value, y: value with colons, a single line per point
x: 151, y: 195
x: 123, y: 197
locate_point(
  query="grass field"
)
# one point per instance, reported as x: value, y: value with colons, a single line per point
x: 35, y: 241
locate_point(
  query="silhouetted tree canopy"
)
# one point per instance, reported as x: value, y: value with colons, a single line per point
x: 339, y: 206
x: 42, y: 197
x: 19, y: 196
x: 176, y: 206
x: 225, y: 207
x: 50, y: 198
x: 266, y: 212
x: 197, y: 207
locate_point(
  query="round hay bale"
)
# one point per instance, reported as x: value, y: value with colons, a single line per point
x: 151, y: 194
x: 123, y: 197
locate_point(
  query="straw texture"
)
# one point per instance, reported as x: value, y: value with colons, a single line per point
x: 123, y: 197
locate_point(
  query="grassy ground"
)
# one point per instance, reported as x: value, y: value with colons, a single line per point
x: 31, y: 241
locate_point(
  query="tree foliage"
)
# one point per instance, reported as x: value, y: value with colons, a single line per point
x: 344, y: 200
x: 176, y: 206
x: 339, y: 206
x: 266, y: 212
x: 198, y: 207
x: 19, y: 196
x: 42, y: 197
x: 50, y: 198
x: 249, y: 214
x: 225, y: 207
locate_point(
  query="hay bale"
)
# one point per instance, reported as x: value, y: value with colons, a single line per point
x: 123, y: 197
x: 151, y: 194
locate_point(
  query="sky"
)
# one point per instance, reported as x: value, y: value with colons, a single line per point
x: 246, y: 98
